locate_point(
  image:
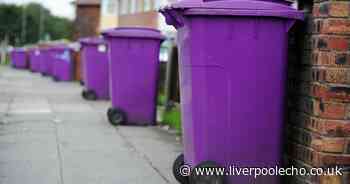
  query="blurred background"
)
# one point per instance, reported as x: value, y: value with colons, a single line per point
x: 30, y: 21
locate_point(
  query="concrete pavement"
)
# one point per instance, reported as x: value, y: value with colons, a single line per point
x: 50, y: 135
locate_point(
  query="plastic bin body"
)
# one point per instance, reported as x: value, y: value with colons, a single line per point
x: 95, y: 66
x: 34, y: 58
x: 13, y: 58
x: 63, y: 65
x: 51, y: 56
x: 233, y: 101
x: 232, y: 84
x: 134, y: 63
x: 44, y: 59
x: 19, y: 58
x: 31, y: 59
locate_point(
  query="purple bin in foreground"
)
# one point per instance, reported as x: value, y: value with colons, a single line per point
x: 19, y: 58
x: 133, y: 70
x: 63, y: 66
x: 233, y: 63
x: 34, y: 59
x: 95, y: 67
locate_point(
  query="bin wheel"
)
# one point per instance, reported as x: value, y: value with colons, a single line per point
x: 83, y: 94
x: 109, y: 111
x: 81, y: 83
x: 177, y: 165
x: 116, y: 116
x: 207, y: 179
x: 55, y: 79
x: 90, y: 95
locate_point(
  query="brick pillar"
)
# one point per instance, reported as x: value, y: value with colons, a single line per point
x: 318, y: 127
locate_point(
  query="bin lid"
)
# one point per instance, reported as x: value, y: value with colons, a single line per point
x: 32, y: 49
x: 286, y: 2
x: 59, y: 48
x: 43, y: 48
x: 134, y: 32
x: 19, y: 49
x: 92, y: 41
x: 236, y: 8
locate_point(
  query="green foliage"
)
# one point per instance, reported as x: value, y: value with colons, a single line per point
x: 173, y: 119
x: 11, y: 24
x: 161, y: 99
x: 59, y: 28
x: 6, y: 62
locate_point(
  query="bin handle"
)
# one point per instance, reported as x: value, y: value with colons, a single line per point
x: 290, y: 24
x: 172, y: 17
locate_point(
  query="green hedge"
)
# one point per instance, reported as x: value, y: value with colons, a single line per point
x: 173, y: 119
x: 160, y: 100
x: 6, y: 62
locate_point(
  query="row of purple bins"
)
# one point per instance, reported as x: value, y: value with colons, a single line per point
x: 232, y: 74
x: 122, y: 65
x: 55, y: 61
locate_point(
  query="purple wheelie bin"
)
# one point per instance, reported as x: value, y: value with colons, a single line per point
x: 62, y: 63
x: 51, y: 57
x: 133, y: 70
x: 233, y: 62
x: 34, y: 59
x: 95, y: 64
x: 44, y: 59
x: 13, y: 57
x: 19, y: 58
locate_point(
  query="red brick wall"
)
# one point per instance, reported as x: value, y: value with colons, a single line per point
x: 318, y: 128
x: 87, y: 21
